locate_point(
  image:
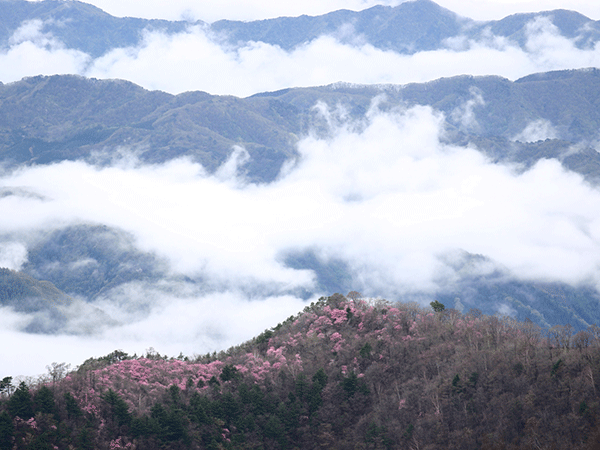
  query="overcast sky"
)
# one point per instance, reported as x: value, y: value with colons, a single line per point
x: 390, y: 200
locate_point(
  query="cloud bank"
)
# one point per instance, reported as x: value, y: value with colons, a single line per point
x: 384, y: 195
x: 195, y: 60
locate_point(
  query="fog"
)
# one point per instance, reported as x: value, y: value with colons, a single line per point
x: 384, y: 195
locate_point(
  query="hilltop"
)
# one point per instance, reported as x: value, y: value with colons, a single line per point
x: 345, y: 373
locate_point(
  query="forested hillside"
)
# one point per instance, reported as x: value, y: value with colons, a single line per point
x: 346, y: 373
x: 44, y: 120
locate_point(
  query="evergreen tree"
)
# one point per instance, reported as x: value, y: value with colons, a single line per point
x: 118, y: 408
x: 437, y: 306
x: 20, y: 403
x: 6, y: 431
x: 43, y: 401
x: 73, y: 409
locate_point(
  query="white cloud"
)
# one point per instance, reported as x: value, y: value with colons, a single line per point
x: 192, y: 325
x: 537, y: 130
x: 12, y: 255
x: 32, y: 52
x: 549, y: 50
x: 193, y: 60
x: 401, y: 180
x: 465, y: 114
x: 386, y: 197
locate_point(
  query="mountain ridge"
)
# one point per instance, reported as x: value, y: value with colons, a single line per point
x: 67, y: 117
x: 413, y: 26
x: 49, y: 309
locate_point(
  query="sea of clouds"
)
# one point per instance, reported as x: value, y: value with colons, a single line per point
x: 198, y: 60
x: 385, y: 195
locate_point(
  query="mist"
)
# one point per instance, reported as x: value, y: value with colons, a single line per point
x: 383, y: 194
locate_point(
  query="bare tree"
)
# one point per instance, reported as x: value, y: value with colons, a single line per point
x: 58, y: 371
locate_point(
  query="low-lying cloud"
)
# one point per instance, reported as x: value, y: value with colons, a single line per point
x: 537, y: 130
x: 32, y: 52
x: 384, y: 196
x: 193, y: 61
x: 196, y: 60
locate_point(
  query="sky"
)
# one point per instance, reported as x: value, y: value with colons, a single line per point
x: 385, y: 196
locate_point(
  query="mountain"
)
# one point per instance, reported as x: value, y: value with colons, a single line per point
x: 408, y: 28
x: 50, y: 119
x: 22, y: 291
x: 49, y: 309
x: 89, y: 29
x: 344, y: 373
x: 88, y: 260
x: 44, y: 120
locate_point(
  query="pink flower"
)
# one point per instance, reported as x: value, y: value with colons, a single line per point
x: 339, y: 316
x: 335, y: 336
x: 337, y: 347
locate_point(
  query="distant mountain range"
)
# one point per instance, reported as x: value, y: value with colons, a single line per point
x: 50, y: 309
x: 50, y: 119
x: 407, y: 28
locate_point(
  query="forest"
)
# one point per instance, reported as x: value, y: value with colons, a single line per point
x: 345, y: 373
